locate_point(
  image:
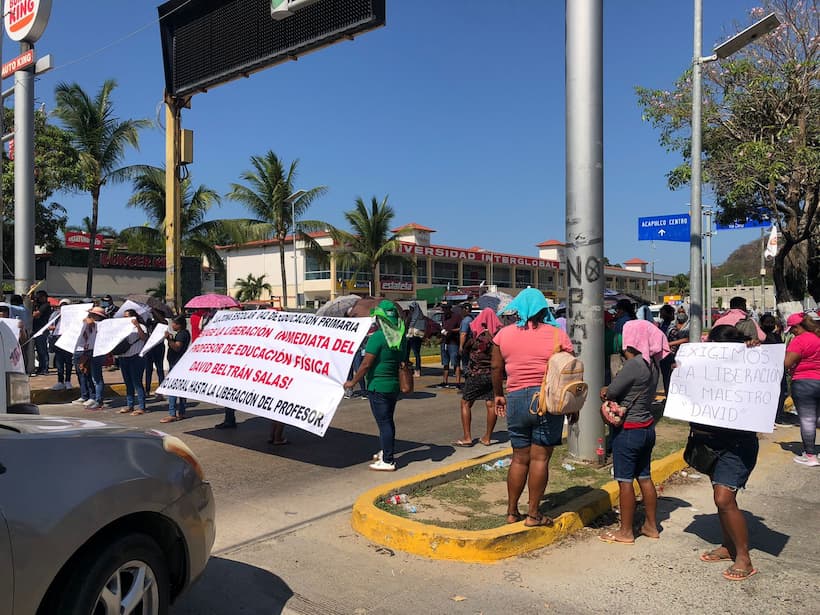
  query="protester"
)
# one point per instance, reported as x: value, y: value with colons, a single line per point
x: 737, y: 455
x: 62, y: 358
x: 380, y: 366
x: 634, y: 387
x: 667, y: 315
x: 87, y: 366
x: 738, y: 317
x: 478, y: 382
x: 416, y: 331
x: 450, y: 331
x: 624, y: 312
x: 464, y: 334
x: 277, y: 434
x: 522, y: 351
x: 132, y: 366
x: 109, y: 306
x: 770, y: 327
x: 803, y: 360
x: 155, y: 357
x: 41, y: 314
x: 178, y: 338
x: 677, y: 334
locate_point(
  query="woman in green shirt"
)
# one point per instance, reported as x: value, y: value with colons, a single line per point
x: 384, y: 353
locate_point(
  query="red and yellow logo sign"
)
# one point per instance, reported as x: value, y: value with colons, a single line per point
x: 26, y: 19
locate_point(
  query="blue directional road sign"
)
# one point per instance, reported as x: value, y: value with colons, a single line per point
x: 672, y: 227
x: 744, y: 224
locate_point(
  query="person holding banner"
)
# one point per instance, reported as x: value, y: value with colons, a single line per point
x: 155, y: 357
x: 89, y: 368
x: 736, y: 452
x: 803, y: 358
x: 178, y: 340
x: 633, y: 388
x: 132, y: 366
x: 384, y: 352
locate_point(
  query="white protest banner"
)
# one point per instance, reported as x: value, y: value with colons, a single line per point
x: 140, y: 308
x: 54, y: 316
x: 16, y: 363
x: 71, y: 324
x: 726, y: 385
x: 285, y: 366
x: 157, y: 337
x: 111, y: 332
x: 14, y: 325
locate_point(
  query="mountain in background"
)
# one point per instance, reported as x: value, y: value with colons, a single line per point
x: 742, y: 265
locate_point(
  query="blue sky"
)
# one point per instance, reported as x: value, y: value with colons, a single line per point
x: 456, y: 111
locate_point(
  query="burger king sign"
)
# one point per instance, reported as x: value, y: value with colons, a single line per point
x: 26, y: 19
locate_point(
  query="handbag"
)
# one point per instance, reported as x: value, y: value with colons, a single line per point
x: 699, y: 455
x: 405, y: 378
x: 613, y: 413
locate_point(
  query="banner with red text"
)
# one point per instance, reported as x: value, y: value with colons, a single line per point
x: 285, y: 366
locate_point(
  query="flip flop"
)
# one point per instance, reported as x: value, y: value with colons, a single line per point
x: 169, y: 419
x: 490, y: 443
x: 711, y: 557
x: 462, y: 443
x: 609, y: 537
x: 518, y: 517
x: 125, y: 411
x: 137, y: 412
x: 738, y: 574
x: 540, y: 521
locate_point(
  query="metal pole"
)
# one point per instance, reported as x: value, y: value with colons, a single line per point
x: 695, y: 264
x: 708, y: 301
x: 585, y: 209
x: 23, y: 178
x: 295, y: 271
x: 762, y: 270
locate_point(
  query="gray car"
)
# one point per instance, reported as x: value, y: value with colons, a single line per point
x: 96, y: 518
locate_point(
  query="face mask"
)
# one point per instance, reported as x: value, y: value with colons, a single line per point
x: 105, y: 303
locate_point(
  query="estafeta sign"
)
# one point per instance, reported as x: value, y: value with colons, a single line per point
x: 26, y: 19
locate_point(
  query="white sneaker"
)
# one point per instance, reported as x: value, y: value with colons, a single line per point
x: 92, y: 404
x: 383, y: 466
x: 67, y: 386
x: 58, y: 387
x: 807, y: 460
x: 88, y: 402
x: 378, y: 456
x: 80, y: 400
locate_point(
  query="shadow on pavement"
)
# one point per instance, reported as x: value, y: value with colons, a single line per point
x: 338, y: 449
x: 227, y: 586
x: 761, y: 536
x: 793, y: 447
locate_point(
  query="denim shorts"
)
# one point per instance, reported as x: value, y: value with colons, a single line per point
x: 632, y: 453
x: 525, y: 428
x: 449, y: 355
x: 735, y: 464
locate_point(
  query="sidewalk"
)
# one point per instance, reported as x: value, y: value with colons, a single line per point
x: 42, y: 393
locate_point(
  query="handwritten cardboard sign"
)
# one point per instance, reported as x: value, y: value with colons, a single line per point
x: 71, y: 324
x: 726, y: 385
x: 111, y: 332
x: 285, y: 366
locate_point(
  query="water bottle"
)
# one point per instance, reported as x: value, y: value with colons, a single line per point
x: 568, y: 467
x: 410, y: 508
x: 502, y: 463
x: 600, y: 452
x: 348, y: 393
x: 399, y: 498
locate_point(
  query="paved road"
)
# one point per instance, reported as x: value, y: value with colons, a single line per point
x: 285, y: 545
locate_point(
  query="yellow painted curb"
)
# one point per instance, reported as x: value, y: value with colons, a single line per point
x: 481, y: 546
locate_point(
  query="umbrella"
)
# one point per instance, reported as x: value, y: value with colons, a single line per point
x: 212, y: 301
x: 496, y: 300
x: 340, y: 306
x: 152, y: 302
x: 363, y: 306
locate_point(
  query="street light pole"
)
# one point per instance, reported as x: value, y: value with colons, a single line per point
x: 734, y: 44
x: 292, y: 200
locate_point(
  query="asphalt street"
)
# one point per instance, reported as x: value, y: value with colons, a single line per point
x: 285, y: 545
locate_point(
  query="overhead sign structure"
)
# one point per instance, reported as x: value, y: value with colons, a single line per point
x: 672, y: 227
x: 26, y: 20
x: 748, y: 223
x: 24, y: 60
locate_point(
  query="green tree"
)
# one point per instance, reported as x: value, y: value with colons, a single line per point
x: 679, y: 284
x: 264, y: 192
x: 369, y: 241
x: 250, y: 288
x: 761, y: 136
x: 158, y: 291
x: 101, y: 140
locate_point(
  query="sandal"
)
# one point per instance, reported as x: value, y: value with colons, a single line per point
x: 713, y: 556
x: 169, y: 419
x: 516, y: 517
x: 540, y: 521
x: 462, y: 443
x: 137, y: 412
x: 738, y: 574
x: 125, y: 410
x: 609, y: 536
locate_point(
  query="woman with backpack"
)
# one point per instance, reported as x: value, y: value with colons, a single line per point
x: 521, y: 351
x: 633, y: 389
x: 132, y: 365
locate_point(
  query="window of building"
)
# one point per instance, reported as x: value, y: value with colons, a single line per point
x: 501, y: 275
x: 523, y: 277
x: 445, y: 272
x: 421, y: 270
x: 546, y: 280
x: 395, y: 271
x: 314, y: 270
x: 473, y: 274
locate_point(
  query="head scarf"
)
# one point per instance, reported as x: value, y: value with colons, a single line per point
x: 485, y: 320
x: 527, y: 304
x: 416, y: 319
x: 646, y: 338
x: 388, y: 318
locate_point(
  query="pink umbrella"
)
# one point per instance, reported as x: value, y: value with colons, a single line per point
x: 212, y: 300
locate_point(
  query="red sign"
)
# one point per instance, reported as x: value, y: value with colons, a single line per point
x: 11, y: 148
x: 21, y: 61
x: 132, y: 261
x: 476, y: 255
x: 78, y: 239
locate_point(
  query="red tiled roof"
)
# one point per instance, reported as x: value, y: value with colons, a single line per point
x: 549, y: 242
x: 413, y: 226
x: 635, y: 261
x: 261, y: 243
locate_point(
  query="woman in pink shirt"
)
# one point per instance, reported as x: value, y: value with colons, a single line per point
x: 521, y: 351
x: 803, y: 359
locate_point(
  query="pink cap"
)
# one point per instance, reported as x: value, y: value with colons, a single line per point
x: 794, y: 319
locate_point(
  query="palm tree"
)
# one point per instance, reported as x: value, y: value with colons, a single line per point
x: 250, y: 288
x: 101, y: 140
x: 680, y: 284
x: 265, y: 193
x: 370, y: 241
x: 85, y: 227
x: 158, y: 291
x: 199, y: 236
